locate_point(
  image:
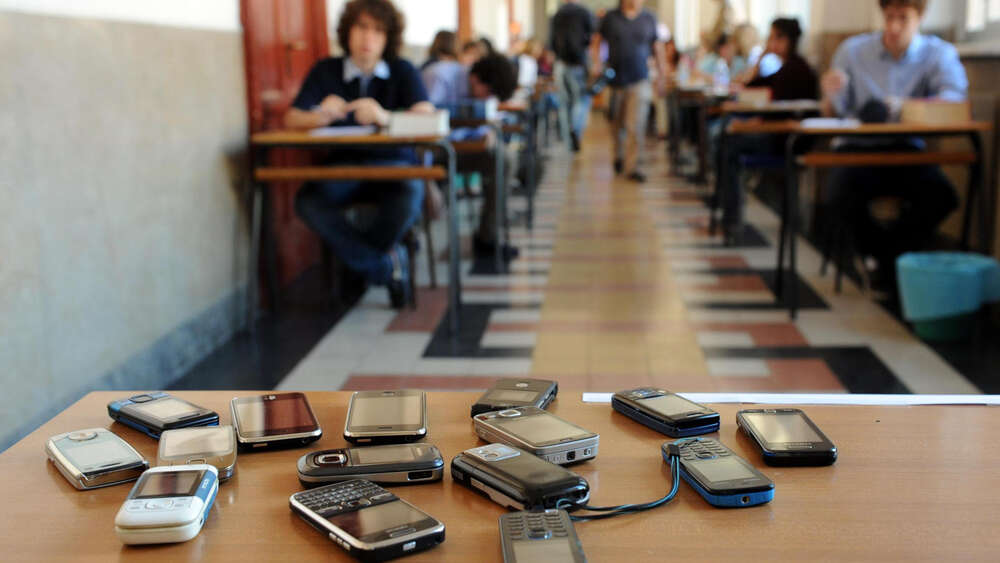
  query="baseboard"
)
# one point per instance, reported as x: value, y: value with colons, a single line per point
x: 157, y: 366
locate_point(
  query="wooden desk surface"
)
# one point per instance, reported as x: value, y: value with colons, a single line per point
x: 298, y: 138
x: 795, y: 126
x: 911, y: 483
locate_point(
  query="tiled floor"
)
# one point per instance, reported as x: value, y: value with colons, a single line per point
x: 620, y: 285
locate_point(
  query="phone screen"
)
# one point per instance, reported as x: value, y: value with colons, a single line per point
x: 670, y: 405
x: 169, y: 484
x: 779, y: 428
x: 285, y: 414
x: 90, y: 455
x: 543, y: 550
x: 214, y: 440
x: 395, y: 410
x: 382, y: 454
x: 372, y: 521
x: 724, y: 470
x: 166, y: 409
x: 540, y: 429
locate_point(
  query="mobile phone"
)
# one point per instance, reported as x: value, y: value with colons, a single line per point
x: 152, y: 413
x: 538, y: 432
x: 548, y: 536
x: 720, y: 476
x: 386, y: 417
x: 510, y: 393
x: 274, y: 421
x: 391, y: 464
x: 786, y: 437
x: 666, y: 412
x: 514, y: 478
x: 368, y: 521
x: 214, y: 445
x: 167, y: 504
x: 94, y: 457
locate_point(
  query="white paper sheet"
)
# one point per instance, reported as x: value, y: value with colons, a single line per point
x: 829, y: 123
x: 822, y: 399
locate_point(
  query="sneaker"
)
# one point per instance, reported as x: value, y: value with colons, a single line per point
x: 619, y: 166
x: 399, y: 281
x: 637, y: 176
x: 485, y: 249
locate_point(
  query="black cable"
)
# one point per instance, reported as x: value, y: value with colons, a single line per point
x: 612, y: 511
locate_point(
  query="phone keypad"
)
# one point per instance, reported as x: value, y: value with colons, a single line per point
x: 344, y: 497
x: 703, y: 448
x: 536, y: 525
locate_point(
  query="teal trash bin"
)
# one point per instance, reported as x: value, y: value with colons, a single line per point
x: 942, y: 291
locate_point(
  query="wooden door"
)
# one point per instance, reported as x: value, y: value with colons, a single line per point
x: 282, y: 40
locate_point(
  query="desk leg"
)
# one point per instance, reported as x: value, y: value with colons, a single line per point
x: 454, y: 252
x: 532, y: 155
x: 982, y: 208
x: 721, y: 180
x: 500, y: 201
x: 702, y: 144
x: 256, y: 203
x: 791, y: 221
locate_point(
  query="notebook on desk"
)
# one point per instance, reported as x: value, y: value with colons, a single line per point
x: 344, y: 131
x: 413, y: 124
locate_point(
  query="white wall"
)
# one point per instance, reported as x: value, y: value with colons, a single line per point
x: 489, y: 18
x: 200, y: 14
x: 424, y: 18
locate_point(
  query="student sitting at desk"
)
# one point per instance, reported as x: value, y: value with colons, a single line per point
x: 361, y: 89
x: 464, y: 95
x: 876, y: 67
x: 795, y: 80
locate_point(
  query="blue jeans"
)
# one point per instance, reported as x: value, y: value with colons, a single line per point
x: 322, y: 206
x: 572, y: 81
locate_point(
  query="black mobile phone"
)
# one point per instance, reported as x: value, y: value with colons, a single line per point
x: 386, y: 417
x: 787, y: 437
x: 514, y: 478
x: 720, y: 476
x: 274, y: 421
x: 666, y: 412
x: 549, y: 536
x: 511, y: 393
x: 368, y: 521
x: 392, y: 464
x: 152, y: 413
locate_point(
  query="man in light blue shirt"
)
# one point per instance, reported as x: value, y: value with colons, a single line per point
x: 869, y: 73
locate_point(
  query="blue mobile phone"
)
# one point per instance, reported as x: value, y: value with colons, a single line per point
x: 152, y: 413
x: 720, y: 476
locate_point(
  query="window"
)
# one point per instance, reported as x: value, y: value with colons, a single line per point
x: 982, y: 20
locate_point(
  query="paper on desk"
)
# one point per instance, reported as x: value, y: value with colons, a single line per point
x: 344, y: 131
x: 829, y: 123
x: 822, y: 399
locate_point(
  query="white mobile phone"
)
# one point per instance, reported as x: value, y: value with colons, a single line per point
x: 167, y: 504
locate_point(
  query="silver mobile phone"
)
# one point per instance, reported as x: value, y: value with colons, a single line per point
x: 368, y: 521
x: 386, y: 417
x: 538, y: 432
x: 213, y: 445
x: 94, y: 457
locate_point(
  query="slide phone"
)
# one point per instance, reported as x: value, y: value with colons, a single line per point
x: 512, y: 477
x: 549, y: 536
x: 538, y: 432
x: 278, y: 420
x: 391, y: 464
x: 720, y: 476
x: 368, y: 521
x: 511, y: 393
x: 152, y: 413
x: 94, y: 458
x: 167, y: 504
x: 386, y: 417
x: 666, y: 412
x: 786, y: 437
